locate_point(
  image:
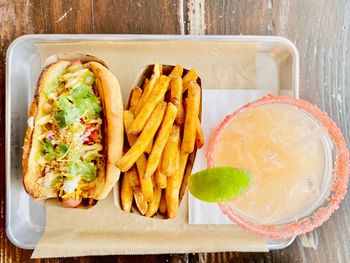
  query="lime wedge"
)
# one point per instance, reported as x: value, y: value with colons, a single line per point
x: 219, y: 184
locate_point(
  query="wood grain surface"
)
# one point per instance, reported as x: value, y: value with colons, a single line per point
x: 319, y: 28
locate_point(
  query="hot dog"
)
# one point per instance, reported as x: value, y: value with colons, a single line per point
x: 74, y: 134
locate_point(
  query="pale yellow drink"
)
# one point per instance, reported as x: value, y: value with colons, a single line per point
x: 285, y: 151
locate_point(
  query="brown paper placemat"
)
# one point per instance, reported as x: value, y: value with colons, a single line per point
x: 105, y: 229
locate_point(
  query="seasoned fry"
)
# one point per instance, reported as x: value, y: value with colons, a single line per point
x: 143, y: 140
x: 162, y: 137
x: 158, y: 69
x: 149, y: 147
x: 162, y: 204
x: 148, y: 86
x: 172, y: 196
x: 146, y: 184
x: 192, y: 111
x: 182, y: 165
x: 146, y: 187
x: 126, y: 194
x: 147, y: 89
x: 187, y: 173
x: 154, y: 204
x: 135, y: 97
x: 173, y: 187
x: 128, y: 118
x: 160, y: 178
x: 176, y: 99
x: 154, y: 98
x: 180, y: 116
x: 170, y: 163
x: 192, y: 75
x: 176, y: 72
x: 176, y: 89
x: 133, y: 177
x: 199, y: 135
x: 140, y: 201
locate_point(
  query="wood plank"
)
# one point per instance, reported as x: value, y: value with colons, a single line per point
x: 62, y: 17
x: 236, y: 17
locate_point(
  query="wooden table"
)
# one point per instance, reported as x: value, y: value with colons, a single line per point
x: 319, y: 28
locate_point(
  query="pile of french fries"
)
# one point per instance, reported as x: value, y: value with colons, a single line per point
x: 163, y: 131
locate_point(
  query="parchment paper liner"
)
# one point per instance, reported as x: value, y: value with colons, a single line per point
x: 106, y: 230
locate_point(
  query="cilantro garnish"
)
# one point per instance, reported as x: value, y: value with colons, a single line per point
x: 81, y: 90
x: 80, y: 101
x: 62, y: 150
x: 74, y: 169
x: 87, y: 170
x: 48, y: 150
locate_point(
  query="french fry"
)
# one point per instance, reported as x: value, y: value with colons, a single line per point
x: 128, y: 118
x: 183, y: 164
x: 149, y: 147
x: 140, y: 201
x: 172, y: 190
x: 180, y: 116
x: 146, y: 91
x: 199, y: 135
x: 199, y: 130
x: 187, y: 173
x: 176, y: 72
x: 134, y: 180
x: 192, y: 111
x: 176, y: 99
x: 162, y: 204
x: 135, y: 98
x: 154, y: 98
x: 176, y: 89
x: 148, y: 86
x: 160, y: 179
x: 162, y: 137
x: 169, y: 163
x: 157, y: 69
x: 146, y: 183
x: 126, y: 195
x: 172, y: 197
x: 190, y: 76
x: 143, y: 140
x: 154, y: 204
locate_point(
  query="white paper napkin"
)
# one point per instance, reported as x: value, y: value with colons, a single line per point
x: 216, y: 105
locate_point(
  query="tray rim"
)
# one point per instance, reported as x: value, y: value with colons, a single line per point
x: 62, y: 38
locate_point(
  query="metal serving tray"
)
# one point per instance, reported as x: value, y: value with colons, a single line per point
x: 25, y: 219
